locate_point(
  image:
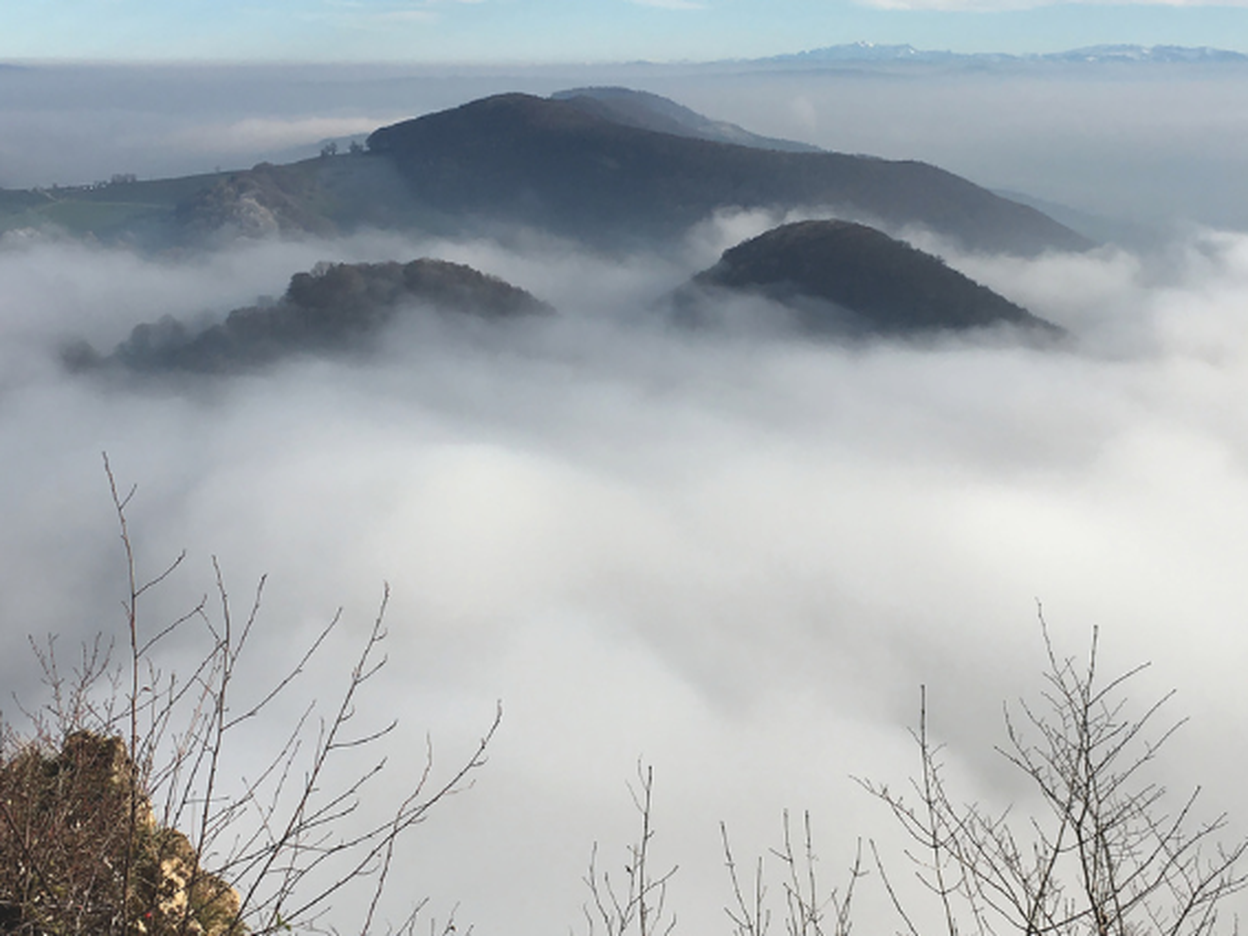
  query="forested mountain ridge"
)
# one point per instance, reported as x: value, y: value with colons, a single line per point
x: 588, y: 165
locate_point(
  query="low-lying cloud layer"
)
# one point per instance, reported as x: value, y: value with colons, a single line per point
x: 735, y: 556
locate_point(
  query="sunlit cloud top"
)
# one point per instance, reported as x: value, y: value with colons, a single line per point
x: 672, y: 4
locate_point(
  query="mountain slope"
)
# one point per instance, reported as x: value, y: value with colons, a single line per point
x: 844, y: 278
x: 647, y: 111
x: 551, y: 164
x: 579, y: 168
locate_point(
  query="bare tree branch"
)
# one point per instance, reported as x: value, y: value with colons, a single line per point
x: 1111, y: 857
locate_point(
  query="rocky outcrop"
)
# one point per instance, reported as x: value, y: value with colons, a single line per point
x: 171, y: 888
x: 81, y: 850
x: 260, y: 202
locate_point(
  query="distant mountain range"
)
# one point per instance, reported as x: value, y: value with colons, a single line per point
x: 868, y: 52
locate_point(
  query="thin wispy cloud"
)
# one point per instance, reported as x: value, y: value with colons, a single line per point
x: 1003, y: 6
x: 671, y: 4
x: 405, y: 16
x: 359, y: 14
x: 356, y: 14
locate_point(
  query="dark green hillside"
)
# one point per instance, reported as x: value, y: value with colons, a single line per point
x: 847, y: 278
x: 141, y: 212
x: 317, y: 196
x: 555, y: 165
x: 336, y: 307
x: 13, y: 201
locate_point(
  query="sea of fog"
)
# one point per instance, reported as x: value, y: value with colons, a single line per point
x: 735, y: 557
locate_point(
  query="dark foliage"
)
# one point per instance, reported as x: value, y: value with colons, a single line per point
x: 336, y: 307
x: 841, y: 277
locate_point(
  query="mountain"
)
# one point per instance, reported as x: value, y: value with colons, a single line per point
x: 647, y: 111
x: 861, y: 52
x: 610, y: 168
x: 1166, y: 54
x: 555, y: 165
x: 334, y: 308
x: 840, y: 278
x: 868, y: 53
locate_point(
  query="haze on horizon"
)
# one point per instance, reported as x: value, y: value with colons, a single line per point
x: 736, y: 558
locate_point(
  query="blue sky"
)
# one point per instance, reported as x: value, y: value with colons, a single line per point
x: 581, y: 30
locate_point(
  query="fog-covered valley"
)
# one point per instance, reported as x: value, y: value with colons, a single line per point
x: 735, y: 555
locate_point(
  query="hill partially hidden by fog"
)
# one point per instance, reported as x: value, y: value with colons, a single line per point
x: 840, y: 278
x: 609, y: 168
x: 825, y: 279
x: 336, y: 308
